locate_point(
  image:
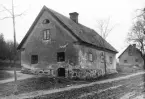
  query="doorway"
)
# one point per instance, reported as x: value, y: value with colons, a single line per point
x: 61, y: 72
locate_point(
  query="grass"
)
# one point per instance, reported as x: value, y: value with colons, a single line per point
x: 4, y: 75
x: 6, y: 65
x: 33, y: 84
x: 75, y: 93
x: 46, y: 83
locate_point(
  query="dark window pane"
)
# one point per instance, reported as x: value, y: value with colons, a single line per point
x: 34, y: 59
x: 60, y: 56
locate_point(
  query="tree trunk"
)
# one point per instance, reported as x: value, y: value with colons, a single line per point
x: 105, y: 66
x: 144, y: 61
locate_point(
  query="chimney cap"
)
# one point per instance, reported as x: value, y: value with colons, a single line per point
x: 73, y: 13
x: 74, y: 16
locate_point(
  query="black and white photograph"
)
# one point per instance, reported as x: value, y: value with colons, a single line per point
x: 72, y: 49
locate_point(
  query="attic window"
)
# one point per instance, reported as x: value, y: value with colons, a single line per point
x: 46, y: 21
x: 46, y: 34
x: 130, y: 51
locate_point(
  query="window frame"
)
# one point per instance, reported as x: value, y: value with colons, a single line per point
x: 111, y: 59
x: 34, y: 61
x: 136, y: 60
x: 46, y: 21
x: 90, y: 57
x: 125, y: 61
x: 102, y: 56
x: 130, y: 51
x: 46, y: 34
x: 61, y: 57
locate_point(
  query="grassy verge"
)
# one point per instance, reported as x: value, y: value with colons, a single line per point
x: 34, y: 84
x: 75, y: 93
x: 46, y: 83
x: 5, y: 65
x: 4, y: 75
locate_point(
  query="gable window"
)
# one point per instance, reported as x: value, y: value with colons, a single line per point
x: 90, y: 57
x: 125, y: 61
x: 110, y: 59
x: 46, y: 21
x: 130, y: 51
x: 34, y: 59
x: 46, y: 34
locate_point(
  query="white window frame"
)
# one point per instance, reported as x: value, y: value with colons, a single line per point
x: 46, y: 34
x: 90, y: 57
x: 111, y: 59
x: 102, y: 57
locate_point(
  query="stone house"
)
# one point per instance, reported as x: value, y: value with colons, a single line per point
x: 130, y: 57
x: 60, y: 46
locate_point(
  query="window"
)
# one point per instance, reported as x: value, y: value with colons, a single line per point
x: 102, y: 57
x: 60, y: 56
x: 110, y: 59
x: 130, y: 51
x: 46, y: 34
x: 136, y: 60
x: 125, y: 61
x: 34, y: 59
x: 90, y: 57
x: 46, y: 21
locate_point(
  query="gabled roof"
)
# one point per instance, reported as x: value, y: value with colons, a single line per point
x: 122, y: 52
x: 79, y: 31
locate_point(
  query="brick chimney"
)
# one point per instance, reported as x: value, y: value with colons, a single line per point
x: 74, y: 16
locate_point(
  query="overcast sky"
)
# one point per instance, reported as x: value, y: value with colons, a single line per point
x: 121, y: 13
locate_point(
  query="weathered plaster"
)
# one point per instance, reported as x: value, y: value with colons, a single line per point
x: 131, y: 58
x: 76, y: 61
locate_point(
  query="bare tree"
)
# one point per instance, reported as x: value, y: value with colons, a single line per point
x: 137, y: 34
x: 13, y: 16
x: 104, y: 28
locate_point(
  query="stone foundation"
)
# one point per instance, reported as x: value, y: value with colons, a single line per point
x: 70, y: 73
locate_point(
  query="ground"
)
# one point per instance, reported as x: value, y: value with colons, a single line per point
x: 129, y: 88
x: 114, y: 86
x: 5, y: 75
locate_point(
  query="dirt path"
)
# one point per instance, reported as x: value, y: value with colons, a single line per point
x: 44, y: 92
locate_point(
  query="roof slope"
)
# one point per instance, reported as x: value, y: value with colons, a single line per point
x: 80, y: 31
x: 122, y: 52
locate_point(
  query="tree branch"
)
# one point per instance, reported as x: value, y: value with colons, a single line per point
x: 5, y: 18
x: 23, y: 13
x: 8, y: 10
